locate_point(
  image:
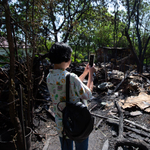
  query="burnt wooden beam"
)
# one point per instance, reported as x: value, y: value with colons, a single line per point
x: 49, y: 111
x: 126, y: 120
x: 98, y: 124
x: 92, y: 107
x: 4, y: 73
x: 120, y: 120
x: 136, y: 143
x: 126, y: 75
x: 140, y: 132
x: 121, y: 141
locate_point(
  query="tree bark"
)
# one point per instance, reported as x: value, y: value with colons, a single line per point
x: 12, y: 61
x: 12, y: 111
x: 132, y: 50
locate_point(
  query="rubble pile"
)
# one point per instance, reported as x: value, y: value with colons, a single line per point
x: 120, y: 100
x: 124, y: 101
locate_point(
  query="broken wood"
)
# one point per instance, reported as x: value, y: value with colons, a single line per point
x: 4, y: 73
x: 36, y: 133
x: 122, y: 60
x: 126, y: 75
x: 121, y: 141
x: 126, y: 120
x: 42, y: 100
x: 140, y: 132
x: 44, y: 119
x: 47, y: 144
x: 106, y: 145
x: 120, y: 120
x: 148, y: 81
x: 51, y: 113
x: 136, y: 143
x: 92, y: 107
x: 42, y: 78
x: 97, y: 125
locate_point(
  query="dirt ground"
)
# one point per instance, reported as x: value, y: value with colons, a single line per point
x: 50, y: 140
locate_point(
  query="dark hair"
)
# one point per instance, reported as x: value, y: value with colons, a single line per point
x: 60, y: 52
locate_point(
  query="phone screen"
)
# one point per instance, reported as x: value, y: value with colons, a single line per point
x: 91, y: 60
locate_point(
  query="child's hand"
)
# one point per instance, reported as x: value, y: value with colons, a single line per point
x: 92, y: 69
x: 87, y: 68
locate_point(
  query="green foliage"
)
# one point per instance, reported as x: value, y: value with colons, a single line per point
x: 72, y: 58
x: 88, y: 24
x: 78, y: 60
x: 4, y: 58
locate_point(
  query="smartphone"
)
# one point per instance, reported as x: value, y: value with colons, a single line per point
x: 91, y: 62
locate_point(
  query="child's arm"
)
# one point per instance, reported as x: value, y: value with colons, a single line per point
x: 83, y: 75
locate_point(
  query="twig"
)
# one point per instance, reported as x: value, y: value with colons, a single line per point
x: 9, y: 103
x: 92, y: 107
x: 41, y: 78
x: 4, y: 73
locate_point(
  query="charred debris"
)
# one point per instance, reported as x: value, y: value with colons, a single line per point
x: 120, y: 99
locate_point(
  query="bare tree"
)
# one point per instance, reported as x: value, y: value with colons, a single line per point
x: 135, y: 15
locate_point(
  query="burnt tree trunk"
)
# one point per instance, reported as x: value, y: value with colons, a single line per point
x: 12, y: 62
x: 15, y: 120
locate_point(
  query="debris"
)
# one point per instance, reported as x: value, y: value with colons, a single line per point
x: 126, y: 120
x: 106, y: 145
x: 46, y: 145
x: 124, y: 88
x: 142, y: 101
x: 135, y: 113
x: 92, y: 107
x: 121, y: 141
x: 116, y: 74
x: 98, y: 124
x: 126, y: 75
x: 105, y: 85
x: 51, y: 113
x: 107, y: 104
x: 113, y: 132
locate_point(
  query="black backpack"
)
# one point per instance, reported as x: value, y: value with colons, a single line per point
x: 77, y: 120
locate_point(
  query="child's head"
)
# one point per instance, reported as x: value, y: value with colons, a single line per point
x: 60, y: 52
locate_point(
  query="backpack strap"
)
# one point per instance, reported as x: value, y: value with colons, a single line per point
x: 67, y: 100
x: 67, y: 91
x: 67, y: 87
